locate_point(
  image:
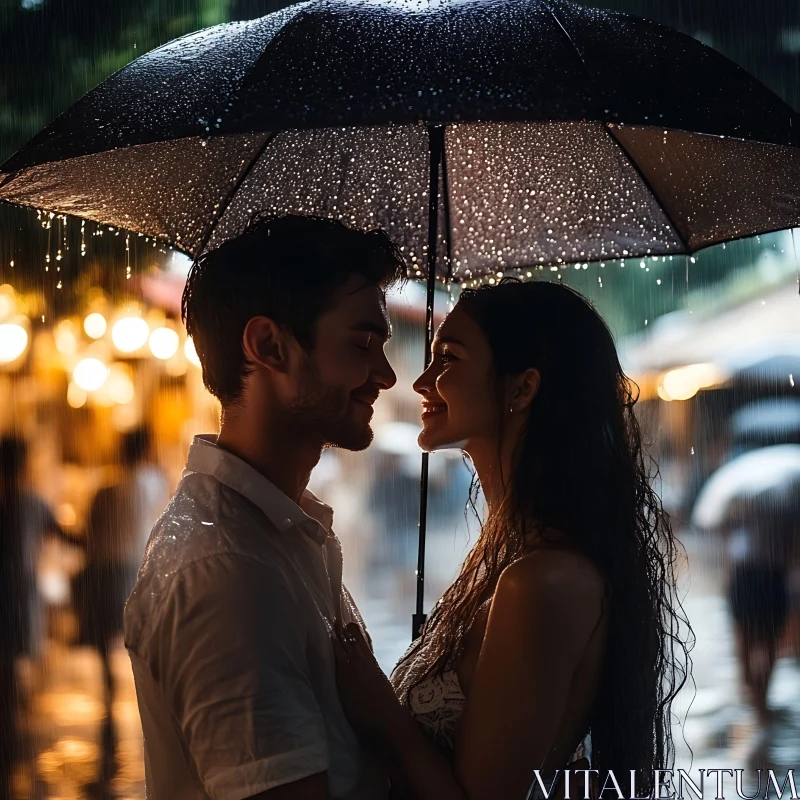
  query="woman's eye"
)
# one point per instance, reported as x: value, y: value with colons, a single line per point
x: 446, y: 357
x: 364, y: 344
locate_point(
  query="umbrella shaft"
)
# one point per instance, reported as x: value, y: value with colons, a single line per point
x: 436, y: 136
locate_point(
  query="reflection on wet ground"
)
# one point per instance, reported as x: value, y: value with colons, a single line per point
x: 720, y: 729
x: 67, y: 716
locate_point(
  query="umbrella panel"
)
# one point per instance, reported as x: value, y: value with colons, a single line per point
x: 168, y: 189
x: 370, y: 63
x: 714, y: 188
x: 181, y: 90
x: 367, y: 177
x: 547, y: 193
x: 643, y: 73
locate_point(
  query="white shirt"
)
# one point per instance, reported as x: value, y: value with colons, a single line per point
x: 228, y: 634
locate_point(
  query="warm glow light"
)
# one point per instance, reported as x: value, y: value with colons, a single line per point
x: 66, y: 340
x: 7, y: 304
x: 129, y: 334
x: 662, y: 394
x: 164, y: 343
x: 120, y: 385
x: 685, y: 382
x: 13, y: 342
x: 76, y: 397
x: 191, y: 353
x: 95, y: 325
x: 90, y: 374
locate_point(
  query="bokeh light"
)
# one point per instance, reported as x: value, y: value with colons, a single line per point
x: 7, y: 302
x: 164, y: 343
x: 129, y: 334
x: 685, y: 382
x: 13, y: 342
x: 66, y: 337
x: 95, y: 325
x: 191, y: 353
x: 90, y: 374
x: 76, y: 397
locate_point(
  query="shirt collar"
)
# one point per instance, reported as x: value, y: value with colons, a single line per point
x: 312, y: 516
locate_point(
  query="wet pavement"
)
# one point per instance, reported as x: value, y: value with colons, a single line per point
x: 719, y: 729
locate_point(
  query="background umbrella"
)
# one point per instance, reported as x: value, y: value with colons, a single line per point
x: 770, y: 361
x: 760, y: 481
x: 767, y: 422
x: 483, y: 135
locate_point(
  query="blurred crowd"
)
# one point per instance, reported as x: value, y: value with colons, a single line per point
x: 112, y: 546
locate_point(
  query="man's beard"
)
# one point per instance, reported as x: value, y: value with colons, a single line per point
x: 325, y: 411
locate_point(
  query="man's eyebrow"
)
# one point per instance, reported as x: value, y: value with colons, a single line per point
x: 383, y: 331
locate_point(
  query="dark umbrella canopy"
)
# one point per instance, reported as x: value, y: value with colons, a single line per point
x: 619, y: 137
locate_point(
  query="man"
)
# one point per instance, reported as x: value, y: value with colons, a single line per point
x: 228, y: 627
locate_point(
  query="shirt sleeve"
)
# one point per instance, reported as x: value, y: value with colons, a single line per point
x: 233, y: 667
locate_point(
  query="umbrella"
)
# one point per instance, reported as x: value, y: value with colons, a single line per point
x: 772, y: 360
x: 766, y: 422
x: 763, y: 479
x: 483, y: 135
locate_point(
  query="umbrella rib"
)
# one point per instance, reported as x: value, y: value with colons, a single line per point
x: 237, y: 185
x: 632, y: 161
x: 572, y: 44
x: 446, y: 209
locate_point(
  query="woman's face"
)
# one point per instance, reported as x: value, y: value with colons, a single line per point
x: 459, y: 398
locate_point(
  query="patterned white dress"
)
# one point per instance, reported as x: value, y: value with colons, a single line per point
x: 437, y: 701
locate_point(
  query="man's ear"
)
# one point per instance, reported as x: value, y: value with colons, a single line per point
x: 525, y: 388
x: 265, y: 343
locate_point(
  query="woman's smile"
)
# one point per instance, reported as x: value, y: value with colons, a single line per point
x: 431, y: 409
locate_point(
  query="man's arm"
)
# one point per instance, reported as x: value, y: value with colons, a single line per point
x: 233, y: 668
x: 314, y: 787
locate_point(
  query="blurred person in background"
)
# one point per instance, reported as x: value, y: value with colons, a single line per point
x: 119, y: 523
x: 24, y: 521
x: 394, y: 507
x: 761, y: 544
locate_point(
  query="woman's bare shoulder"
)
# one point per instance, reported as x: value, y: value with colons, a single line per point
x: 552, y: 573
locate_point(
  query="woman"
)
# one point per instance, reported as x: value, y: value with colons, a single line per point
x: 563, y: 620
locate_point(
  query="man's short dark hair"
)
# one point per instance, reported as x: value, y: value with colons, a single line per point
x: 285, y: 268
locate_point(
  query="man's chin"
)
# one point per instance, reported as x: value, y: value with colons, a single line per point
x: 352, y: 437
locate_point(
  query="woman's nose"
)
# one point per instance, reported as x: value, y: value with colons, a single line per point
x: 424, y: 384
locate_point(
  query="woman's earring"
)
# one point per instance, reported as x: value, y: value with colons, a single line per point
x: 511, y: 410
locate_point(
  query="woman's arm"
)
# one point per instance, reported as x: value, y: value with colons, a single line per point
x: 543, y: 615
x: 545, y: 609
x: 416, y: 766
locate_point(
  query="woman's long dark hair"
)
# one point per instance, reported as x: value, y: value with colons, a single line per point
x: 580, y: 468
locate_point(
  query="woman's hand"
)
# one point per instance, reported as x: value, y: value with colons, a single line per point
x: 366, y: 694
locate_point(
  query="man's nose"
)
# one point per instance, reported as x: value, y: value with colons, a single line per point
x: 383, y: 374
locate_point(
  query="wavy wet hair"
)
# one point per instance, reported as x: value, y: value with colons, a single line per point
x: 580, y: 467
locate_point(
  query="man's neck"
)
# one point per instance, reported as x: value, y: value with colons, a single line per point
x: 278, y: 453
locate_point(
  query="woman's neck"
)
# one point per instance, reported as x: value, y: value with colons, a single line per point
x: 493, y: 467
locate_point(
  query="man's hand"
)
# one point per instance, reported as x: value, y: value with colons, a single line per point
x: 315, y: 787
x: 366, y: 694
